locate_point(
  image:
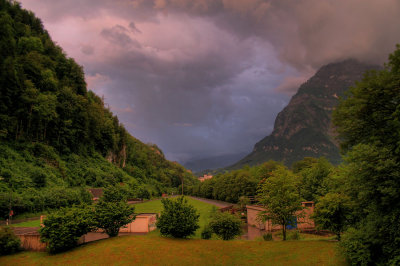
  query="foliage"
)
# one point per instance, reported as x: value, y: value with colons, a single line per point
x: 225, y: 225
x: 63, y: 228
x: 206, y: 233
x: 368, y: 123
x: 279, y: 196
x: 313, y: 177
x: 112, y: 211
x: 111, y: 216
x: 114, y: 194
x: 294, y: 235
x: 355, y: 246
x: 267, y: 237
x: 332, y: 212
x: 9, y: 242
x: 178, y: 219
x: 231, y: 186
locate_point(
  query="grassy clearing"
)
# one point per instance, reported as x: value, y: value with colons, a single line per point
x: 155, y: 206
x: 34, y: 223
x: 153, y: 250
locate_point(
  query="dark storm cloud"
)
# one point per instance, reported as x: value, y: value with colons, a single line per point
x: 208, y: 77
x: 87, y: 49
x: 118, y: 35
x: 133, y: 28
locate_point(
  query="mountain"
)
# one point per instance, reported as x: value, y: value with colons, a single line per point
x: 303, y: 128
x: 214, y: 162
x: 57, y: 137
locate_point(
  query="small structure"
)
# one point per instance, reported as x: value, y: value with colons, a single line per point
x: 143, y: 223
x: 303, y: 217
x: 30, y: 238
x: 205, y: 177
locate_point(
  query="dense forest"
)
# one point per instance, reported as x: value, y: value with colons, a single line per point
x: 57, y: 138
x: 315, y: 176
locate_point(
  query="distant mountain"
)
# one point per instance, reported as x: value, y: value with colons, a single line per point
x: 214, y: 162
x: 303, y: 128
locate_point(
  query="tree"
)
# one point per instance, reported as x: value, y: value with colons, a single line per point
x: 112, y: 212
x: 313, y: 177
x: 280, y: 197
x: 368, y: 122
x: 225, y: 225
x: 111, y: 216
x: 332, y: 213
x: 178, y: 219
x: 63, y: 228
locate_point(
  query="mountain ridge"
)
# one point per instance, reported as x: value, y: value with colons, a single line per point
x: 303, y: 128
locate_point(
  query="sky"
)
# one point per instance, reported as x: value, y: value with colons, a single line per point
x: 202, y: 78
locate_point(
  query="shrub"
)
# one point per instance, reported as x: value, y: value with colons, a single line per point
x: 267, y: 237
x: 63, y: 228
x: 356, y: 247
x: 225, y: 225
x: 110, y: 216
x: 294, y: 235
x: 206, y: 233
x: 9, y: 242
x: 178, y: 218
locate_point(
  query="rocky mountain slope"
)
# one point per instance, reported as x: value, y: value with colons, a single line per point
x: 303, y: 128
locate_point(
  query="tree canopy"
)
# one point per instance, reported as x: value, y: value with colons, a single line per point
x: 369, y: 131
x: 280, y: 197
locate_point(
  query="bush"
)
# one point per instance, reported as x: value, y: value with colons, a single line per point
x: 356, y: 247
x: 225, y: 225
x: 9, y: 242
x: 111, y: 216
x: 267, y: 237
x: 63, y: 228
x: 178, y: 218
x: 294, y: 235
x: 206, y: 233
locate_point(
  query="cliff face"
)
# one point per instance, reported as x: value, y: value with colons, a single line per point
x: 303, y: 128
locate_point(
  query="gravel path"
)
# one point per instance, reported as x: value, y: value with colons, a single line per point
x: 220, y: 204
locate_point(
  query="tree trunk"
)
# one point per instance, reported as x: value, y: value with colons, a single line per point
x: 338, y: 236
x: 284, y: 231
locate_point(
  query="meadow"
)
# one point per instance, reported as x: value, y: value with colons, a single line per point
x: 155, y: 250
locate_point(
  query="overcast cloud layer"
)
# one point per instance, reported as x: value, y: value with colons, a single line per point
x: 208, y: 77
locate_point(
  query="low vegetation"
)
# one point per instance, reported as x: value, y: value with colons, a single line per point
x: 225, y: 225
x: 9, y: 243
x: 178, y: 218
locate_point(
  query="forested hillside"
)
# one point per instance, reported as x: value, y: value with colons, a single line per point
x: 56, y: 137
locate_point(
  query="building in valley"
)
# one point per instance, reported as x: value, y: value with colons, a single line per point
x: 303, y: 218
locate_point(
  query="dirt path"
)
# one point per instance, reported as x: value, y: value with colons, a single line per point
x: 220, y: 204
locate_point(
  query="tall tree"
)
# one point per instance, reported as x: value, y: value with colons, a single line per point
x: 280, y: 197
x: 332, y: 212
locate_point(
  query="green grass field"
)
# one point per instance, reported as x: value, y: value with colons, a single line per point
x: 34, y: 223
x: 155, y: 250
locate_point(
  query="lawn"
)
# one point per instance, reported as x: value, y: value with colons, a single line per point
x: 154, y: 250
x: 34, y: 223
x: 155, y: 206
